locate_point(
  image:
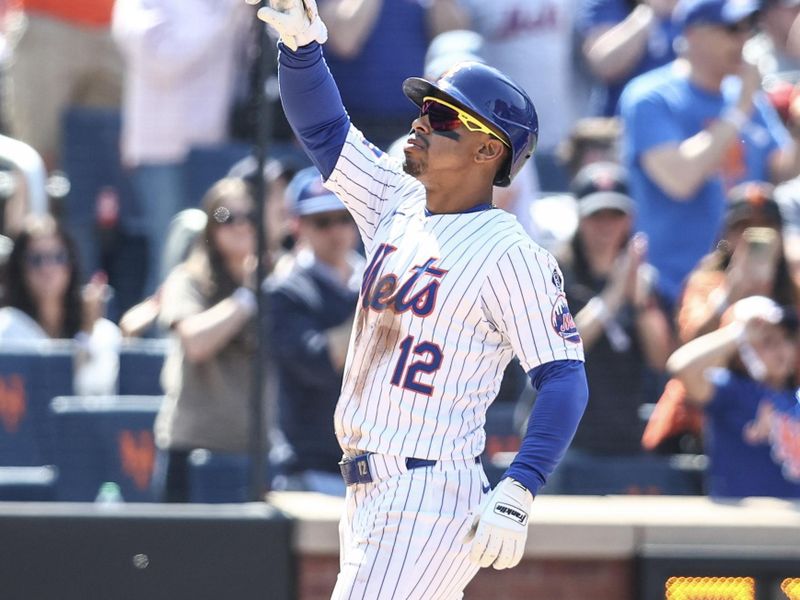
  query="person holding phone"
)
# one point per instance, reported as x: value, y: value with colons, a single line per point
x: 749, y: 260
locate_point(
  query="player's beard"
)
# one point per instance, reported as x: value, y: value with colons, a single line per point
x: 413, y: 167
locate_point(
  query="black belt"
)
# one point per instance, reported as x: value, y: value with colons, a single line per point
x: 356, y: 469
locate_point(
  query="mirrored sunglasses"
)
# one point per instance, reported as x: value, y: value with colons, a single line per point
x: 37, y: 260
x: 444, y: 116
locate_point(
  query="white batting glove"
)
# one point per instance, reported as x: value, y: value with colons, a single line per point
x: 296, y: 21
x: 500, y: 527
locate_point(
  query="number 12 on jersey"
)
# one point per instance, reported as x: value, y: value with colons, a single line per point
x: 429, y: 361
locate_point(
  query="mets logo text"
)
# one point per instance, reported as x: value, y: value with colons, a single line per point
x: 562, y: 320
x: 785, y: 438
x: 389, y: 292
x: 137, y: 453
x: 12, y: 402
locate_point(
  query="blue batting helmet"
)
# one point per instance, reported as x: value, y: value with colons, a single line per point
x: 494, y: 99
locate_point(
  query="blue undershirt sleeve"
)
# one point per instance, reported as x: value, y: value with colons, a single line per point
x: 560, y: 402
x: 312, y: 104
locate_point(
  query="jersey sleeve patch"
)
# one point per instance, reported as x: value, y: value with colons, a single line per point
x: 562, y: 321
x: 372, y: 148
x: 558, y: 280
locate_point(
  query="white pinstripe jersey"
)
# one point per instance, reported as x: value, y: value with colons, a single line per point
x: 445, y: 303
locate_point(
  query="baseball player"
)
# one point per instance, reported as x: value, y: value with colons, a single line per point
x: 453, y: 288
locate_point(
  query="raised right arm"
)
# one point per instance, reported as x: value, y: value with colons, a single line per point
x: 312, y: 104
x: 361, y: 175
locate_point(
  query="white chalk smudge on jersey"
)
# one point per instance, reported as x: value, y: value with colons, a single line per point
x: 447, y: 300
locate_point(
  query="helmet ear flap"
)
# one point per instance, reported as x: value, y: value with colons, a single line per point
x: 502, y: 178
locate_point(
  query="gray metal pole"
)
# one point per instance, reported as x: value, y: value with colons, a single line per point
x: 259, y: 443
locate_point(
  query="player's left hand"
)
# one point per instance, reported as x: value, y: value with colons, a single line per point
x: 500, y: 527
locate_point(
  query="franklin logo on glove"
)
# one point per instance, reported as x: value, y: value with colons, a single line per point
x: 500, y: 526
x: 511, y: 512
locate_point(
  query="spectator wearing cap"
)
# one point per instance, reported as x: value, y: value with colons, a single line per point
x: 787, y: 195
x: 550, y: 219
x: 449, y: 48
x: 625, y: 333
x: 695, y: 128
x: 312, y: 315
x: 743, y: 377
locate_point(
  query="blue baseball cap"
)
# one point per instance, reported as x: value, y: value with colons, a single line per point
x: 713, y: 12
x: 307, y: 196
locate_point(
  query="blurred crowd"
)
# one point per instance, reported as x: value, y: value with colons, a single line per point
x: 666, y: 181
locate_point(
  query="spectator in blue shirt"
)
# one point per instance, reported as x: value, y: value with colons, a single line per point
x: 695, y: 128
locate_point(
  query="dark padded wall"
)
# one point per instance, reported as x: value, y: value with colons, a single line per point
x: 125, y: 555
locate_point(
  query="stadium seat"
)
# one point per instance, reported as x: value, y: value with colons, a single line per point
x: 30, y: 377
x: 218, y: 477
x: 140, y: 363
x: 28, y: 484
x: 104, y: 438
